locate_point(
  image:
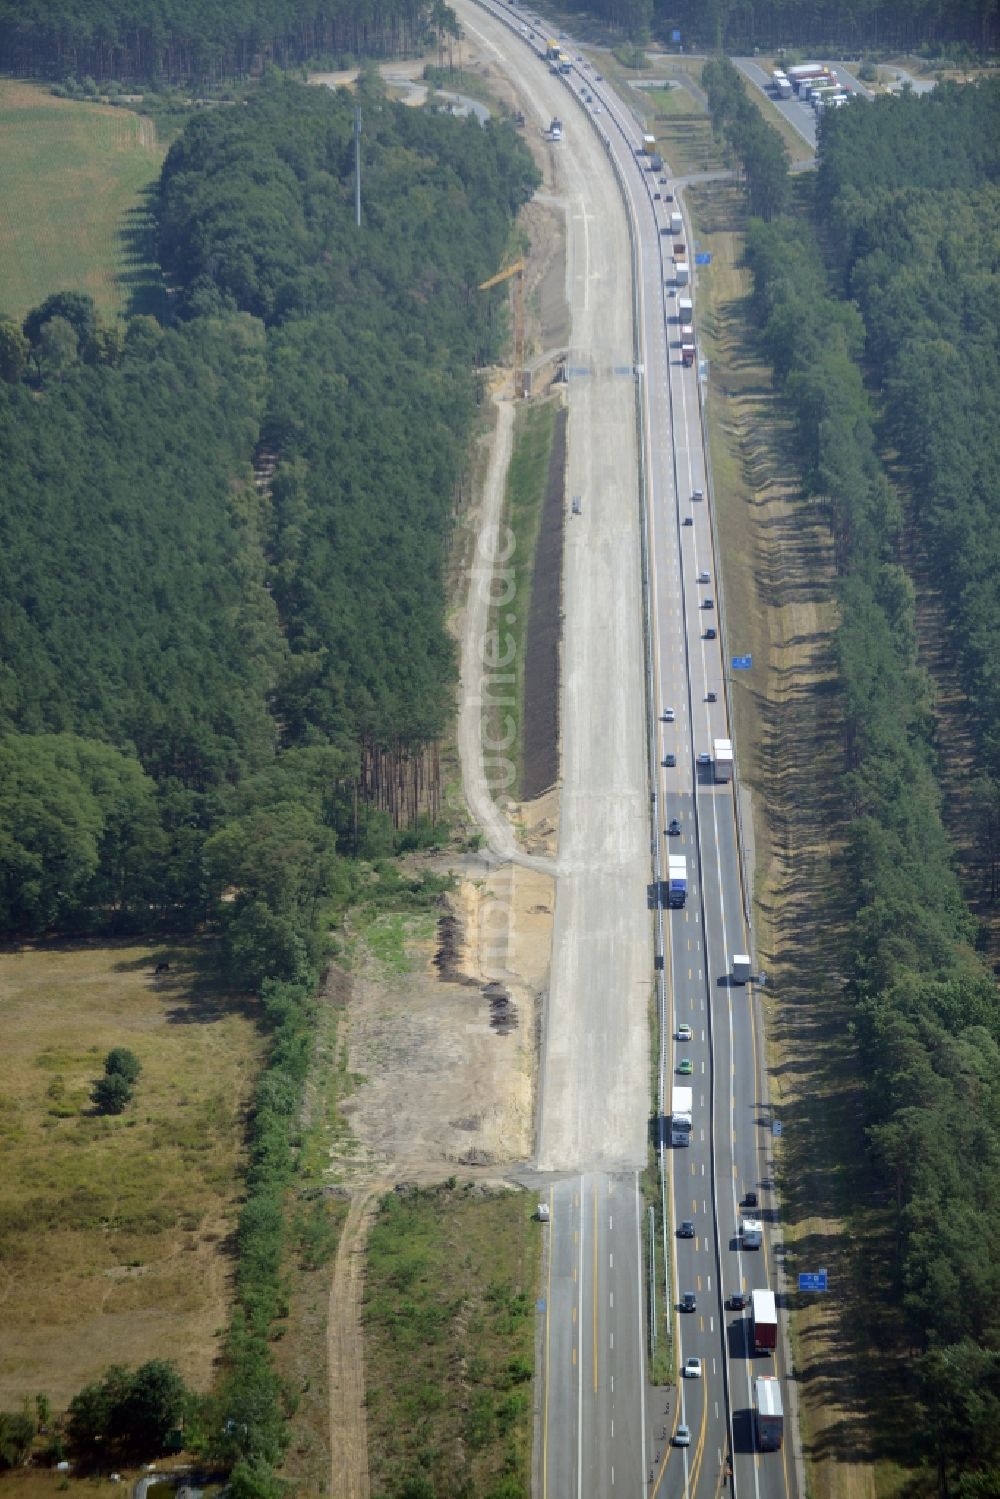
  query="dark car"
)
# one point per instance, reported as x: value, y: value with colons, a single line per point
x: 710, y: 635
x: 670, y: 760
x: 750, y: 1199
x: 689, y: 520
x: 689, y: 1302
x: 738, y: 1300
x: 686, y: 1230
x: 674, y: 827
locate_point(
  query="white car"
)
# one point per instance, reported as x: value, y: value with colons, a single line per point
x: 682, y: 1436
x: 692, y: 1368
x: 683, y: 1033
x: 704, y: 577
x: 668, y: 715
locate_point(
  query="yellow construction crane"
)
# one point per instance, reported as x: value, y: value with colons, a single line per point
x: 517, y: 269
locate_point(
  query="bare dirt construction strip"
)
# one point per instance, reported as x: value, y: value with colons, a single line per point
x: 781, y: 608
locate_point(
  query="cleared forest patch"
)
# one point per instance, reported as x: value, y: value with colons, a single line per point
x: 73, y: 210
x: 115, y: 1231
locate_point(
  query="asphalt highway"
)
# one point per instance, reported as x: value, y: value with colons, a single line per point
x: 604, y: 1429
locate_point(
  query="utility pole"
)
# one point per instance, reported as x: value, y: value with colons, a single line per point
x: 357, y: 167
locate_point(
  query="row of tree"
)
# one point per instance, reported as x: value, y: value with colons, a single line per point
x: 925, y: 1005
x: 760, y: 151
x: 742, y: 25
x: 213, y: 40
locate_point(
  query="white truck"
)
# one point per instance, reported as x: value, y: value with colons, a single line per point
x: 682, y: 272
x: 681, y: 1116
x: 769, y: 1417
x: 649, y: 144
x: 722, y: 760
x: 677, y: 880
x: 751, y: 1233
x: 739, y: 966
x: 685, y: 311
x: 676, y: 223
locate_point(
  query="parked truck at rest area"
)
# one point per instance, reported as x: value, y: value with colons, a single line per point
x: 768, y: 1415
x: 681, y: 1116
x: 685, y: 311
x: 722, y: 760
x: 656, y: 163
x: 649, y: 144
x: 677, y: 880
x: 676, y: 223
x: 764, y: 1320
x: 682, y: 272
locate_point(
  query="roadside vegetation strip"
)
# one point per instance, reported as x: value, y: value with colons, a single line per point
x: 453, y: 1274
x: 73, y: 179
x: 787, y: 726
x: 119, y: 1226
x: 683, y: 130
x: 507, y: 700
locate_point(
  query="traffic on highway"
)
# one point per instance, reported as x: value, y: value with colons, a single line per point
x: 725, y: 1426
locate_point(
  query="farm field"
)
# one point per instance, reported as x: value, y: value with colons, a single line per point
x: 73, y: 213
x: 114, y: 1231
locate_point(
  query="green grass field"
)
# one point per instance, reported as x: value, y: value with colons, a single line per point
x: 74, y: 181
x: 114, y: 1232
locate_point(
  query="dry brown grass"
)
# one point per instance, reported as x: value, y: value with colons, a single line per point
x: 781, y: 608
x: 113, y: 1232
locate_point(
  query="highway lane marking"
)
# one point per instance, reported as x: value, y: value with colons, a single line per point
x: 594, y: 1276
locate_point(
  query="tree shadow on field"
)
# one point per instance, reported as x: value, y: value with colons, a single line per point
x: 139, y: 270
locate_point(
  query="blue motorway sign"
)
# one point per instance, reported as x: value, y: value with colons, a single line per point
x: 742, y: 663
x: 675, y: 37
x: 703, y: 258
x: 776, y: 1128
x: 812, y: 1280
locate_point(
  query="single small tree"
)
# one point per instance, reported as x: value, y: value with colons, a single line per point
x: 112, y: 1093
x: 121, y: 1062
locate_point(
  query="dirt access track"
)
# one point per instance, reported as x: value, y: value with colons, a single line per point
x: 444, y: 1044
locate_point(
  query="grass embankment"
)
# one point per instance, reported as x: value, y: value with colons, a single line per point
x: 453, y: 1273
x: 114, y: 1230
x: 74, y: 180
x: 780, y: 606
x: 678, y: 120
x: 527, y: 486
